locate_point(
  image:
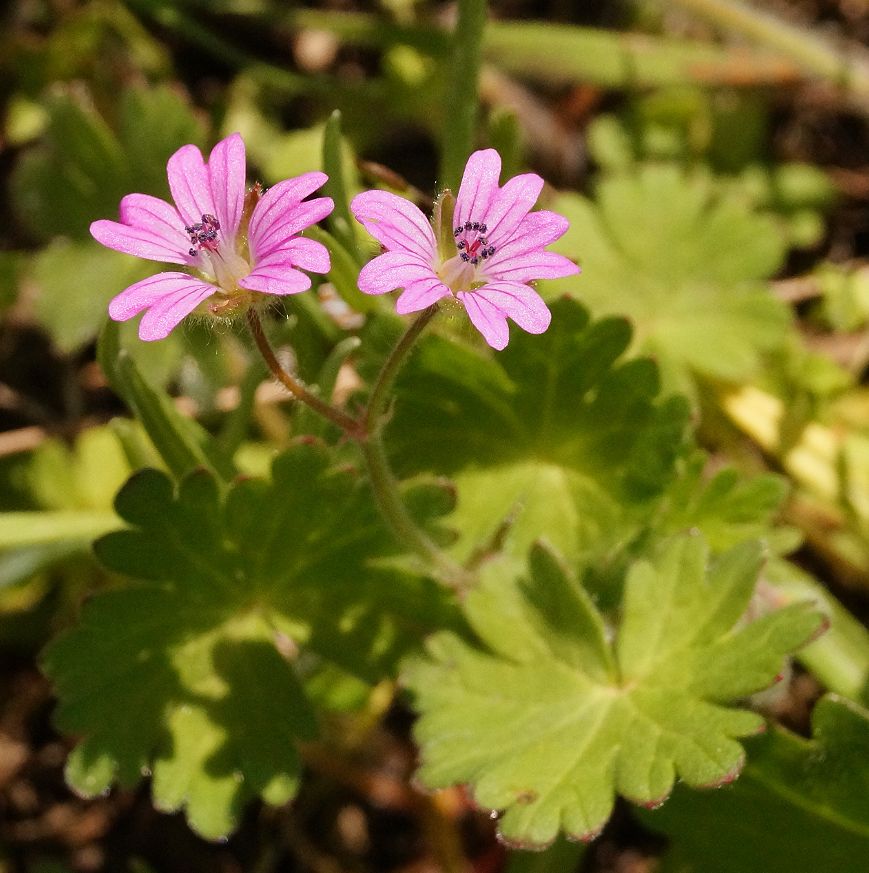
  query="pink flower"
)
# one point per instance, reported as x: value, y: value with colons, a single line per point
x: 228, y: 250
x: 494, y: 250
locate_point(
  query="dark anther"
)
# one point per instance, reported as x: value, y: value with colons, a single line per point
x: 461, y: 244
x: 475, y: 225
x: 203, y: 233
x: 465, y: 256
x: 468, y: 225
x: 457, y: 231
x: 475, y: 261
x: 483, y: 228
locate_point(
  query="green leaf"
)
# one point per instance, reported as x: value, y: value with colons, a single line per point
x: 800, y: 806
x: 461, y: 96
x: 547, y: 720
x: 74, y: 283
x: 840, y: 658
x: 19, y: 529
x: 727, y: 508
x: 341, y: 222
x: 180, y: 674
x: 84, y: 477
x: 153, y: 123
x: 508, y: 139
x: 182, y: 443
x: 83, y: 167
x: 683, y: 257
x: 11, y: 268
x: 558, y: 434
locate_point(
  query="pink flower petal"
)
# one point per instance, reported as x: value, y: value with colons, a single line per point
x: 281, y: 206
x: 519, y: 302
x: 227, y: 173
x: 512, y: 203
x: 535, y: 231
x: 190, y: 184
x: 533, y: 265
x: 479, y: 187
x: 153, y: 291
x: 276, y: 274
x: 166, y: 314
x: 156, y: 215
x: 306, y: 253
x: 421, y: 295
x: 270, y: 236
x: 395, y: 223
x: 141, y: 242
x: 487, y: 318
x: 393, y: 270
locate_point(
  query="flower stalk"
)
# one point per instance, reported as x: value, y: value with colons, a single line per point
x: 367, y: 431
x: 383, y: 481
x: 386, y: 378
x: 350, y: 425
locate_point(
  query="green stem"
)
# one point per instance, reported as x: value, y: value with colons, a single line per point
x: 849, y: 71
x: 386, y: 377
x: 383, y: 482
x: 368, y: 432
x: 404, y: 528
x: 462, y: 100
x: 349, y: 425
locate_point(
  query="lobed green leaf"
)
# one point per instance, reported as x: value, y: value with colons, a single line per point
x: 181, y: 675
x: 684, y: 257
x: 558, y: 434
x: 800, y: 804
x: 548, y: 720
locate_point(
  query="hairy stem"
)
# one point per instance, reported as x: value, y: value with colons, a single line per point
x: 349, y: 425
x: 383, y: 481
x: 386, y: 377
x: 368, y: 432
x: 404, y: 527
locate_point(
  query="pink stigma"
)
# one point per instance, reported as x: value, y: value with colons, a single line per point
x: 472, y: 243
x: 203, y: 235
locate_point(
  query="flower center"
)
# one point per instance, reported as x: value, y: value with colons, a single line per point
x: 203, y: 235
x: 471, y: 242
x: 217, y: 259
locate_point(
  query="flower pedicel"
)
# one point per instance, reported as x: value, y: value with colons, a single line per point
x: 232, y: 250
x: 485, y: 257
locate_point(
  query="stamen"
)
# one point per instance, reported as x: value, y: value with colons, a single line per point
x: 473, y: 246
x: 203, y: 235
